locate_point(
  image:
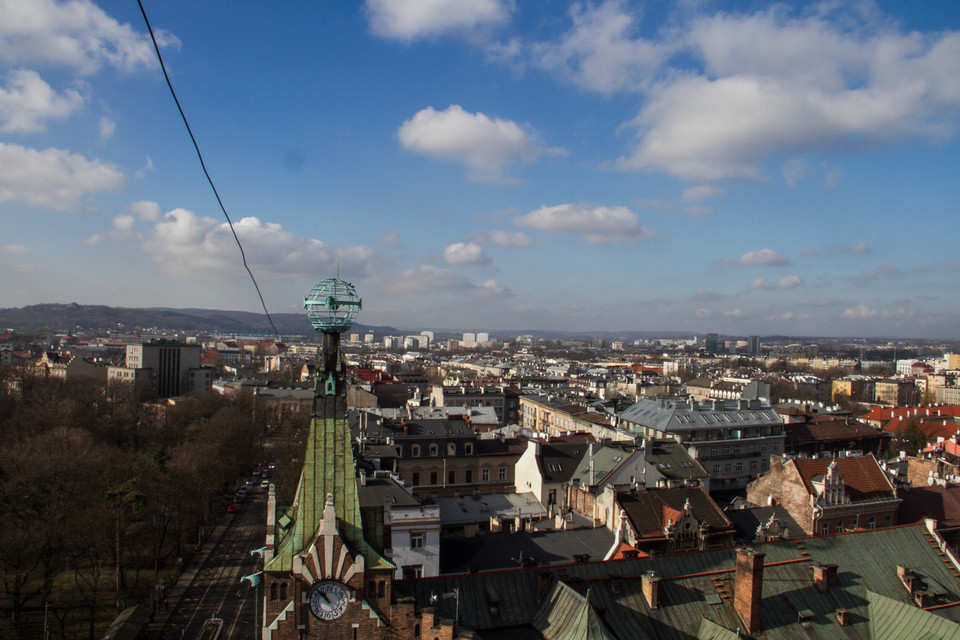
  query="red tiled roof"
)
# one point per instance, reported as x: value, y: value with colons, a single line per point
x: 947, y: 446
x: 930, y: 428
x: 862, y: 476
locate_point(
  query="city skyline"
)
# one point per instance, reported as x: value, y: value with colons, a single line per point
x: 744, y: 169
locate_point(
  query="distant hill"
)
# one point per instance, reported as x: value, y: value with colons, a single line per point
x: 62, y: 318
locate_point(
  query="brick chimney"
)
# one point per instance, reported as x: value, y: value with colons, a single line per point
x: 748, y: 588
x: 823, y: 575
x: 650, y: 583
x: 843, y: 617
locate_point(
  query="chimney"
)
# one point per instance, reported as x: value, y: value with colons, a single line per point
x: 843, y: 617
x: 823, y: 575
x: 748, y: 588
x: 544, y: 580
x: 651, y: 589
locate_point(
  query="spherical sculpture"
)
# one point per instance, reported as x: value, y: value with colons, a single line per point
x: 332, y: 305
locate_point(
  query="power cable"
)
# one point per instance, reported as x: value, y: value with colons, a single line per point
x: 204, y: 167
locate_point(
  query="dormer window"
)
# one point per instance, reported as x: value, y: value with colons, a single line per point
x: 434, y: 450
x: 415, y: 450
x: 451, y: 449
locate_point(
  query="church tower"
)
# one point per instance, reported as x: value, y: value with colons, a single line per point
x: 321, y: 577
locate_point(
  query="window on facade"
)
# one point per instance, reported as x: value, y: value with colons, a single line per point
x: 775, y: 446
x: 416, y: 539
x: 872, y: 523
x: 451, y: 477
x: 716, y: 468
x: 726, y: 467
x: 415, y: 450
x: 503, y: 473
x: 468, y: 448
x: 416, y: 479
x: 468, y: 476
x: 753, y: 465
x: 825, y: 529
x: 434, y: 450
x: 381, y: 588
x: 433, y: 477
x: 763, y: 447
x: 273, y: 591
x: 887, y: 520
x: 726, y: 451
x: 739, y: 466
x: 451, y: 448
x: 485, y: 475
x: 736, y: 450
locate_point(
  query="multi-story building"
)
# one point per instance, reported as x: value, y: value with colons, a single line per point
x: 504, y: 400
x: 895, y: 393
x: 556, y: 415
x: 827, y: 496
x: 173, y: 368
x: 732, y: 439
x: 441, y: 457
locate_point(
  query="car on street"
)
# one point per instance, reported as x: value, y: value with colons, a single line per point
x: 265, y: 483
x: 233, y: 508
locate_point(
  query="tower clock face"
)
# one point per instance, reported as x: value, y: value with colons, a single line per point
x: 328, y: 600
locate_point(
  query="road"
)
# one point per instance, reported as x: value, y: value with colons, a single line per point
x: 216, y: 589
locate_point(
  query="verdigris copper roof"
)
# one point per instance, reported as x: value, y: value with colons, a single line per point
x: 670, y: 415
x: 699, y: 586
x: 567, y: 615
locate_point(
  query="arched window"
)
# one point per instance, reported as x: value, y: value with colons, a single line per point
x: 415, y: 450
x: 283, y: 590
x: 434, y: 450
x: 451, y: 448
x: 273, y: 591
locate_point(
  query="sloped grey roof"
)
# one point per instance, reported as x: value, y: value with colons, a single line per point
x: 680, y: 415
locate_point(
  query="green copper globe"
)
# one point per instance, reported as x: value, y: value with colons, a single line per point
x: 332, y: 305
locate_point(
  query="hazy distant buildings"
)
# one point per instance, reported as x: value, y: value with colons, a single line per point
x: 753, y: 345
x: 711, y: 343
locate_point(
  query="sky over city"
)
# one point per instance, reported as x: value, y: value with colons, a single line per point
x: 734, y: 167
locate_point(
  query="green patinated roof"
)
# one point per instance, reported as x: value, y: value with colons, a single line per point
x: 898, y: 621
x: 699, y: 586
x: 567, y: 615
x: 328, y: 468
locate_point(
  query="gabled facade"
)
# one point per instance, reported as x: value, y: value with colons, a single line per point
x: 676, y: 520
x: 827, y: 496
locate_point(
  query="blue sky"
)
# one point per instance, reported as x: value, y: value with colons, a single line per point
x: 742, y: 168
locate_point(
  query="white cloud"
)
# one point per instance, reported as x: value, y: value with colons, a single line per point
x: 147, y: 166
x: 786, y: 282
x: 107, y: 127
x: 53, y: 178
x: 124, y: 223
x: 463, y: 253
x: 13, y: 249
x: 764, y: 257
x: 184, y: 244
x: 773, y: 84
x: 700, y: 193
x: 601, y: 51
x: 860, y: 312
x: 697, y: 211
x: 145, y: 210
x: 708, y: 296
x: 833, y: 177
x: 794, y: 170
x: 74, y: 34
x: 502, y: 238
x: 704, y: 313
x: 412, y: 19
x: 596, y: 225
x: 487, y: 146
x: 493, y: 288
x: 28, y: 101
x: 735, y: 313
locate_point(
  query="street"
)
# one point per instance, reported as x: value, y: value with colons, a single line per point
x: 213, y: 587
